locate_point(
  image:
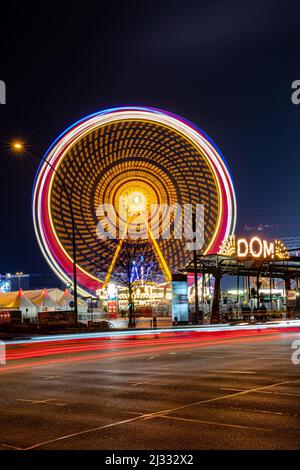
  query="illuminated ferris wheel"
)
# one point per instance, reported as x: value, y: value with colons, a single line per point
x: 130, y: 159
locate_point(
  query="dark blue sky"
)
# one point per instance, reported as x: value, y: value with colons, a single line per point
x: 227, y: 66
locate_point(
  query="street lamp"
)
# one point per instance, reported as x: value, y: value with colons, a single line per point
x: 196, y: 315
x: 20, y: 147
x: 19, y: 274
x: 268, y: 258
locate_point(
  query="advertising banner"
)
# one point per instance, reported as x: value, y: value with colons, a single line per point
x: 180, y: 309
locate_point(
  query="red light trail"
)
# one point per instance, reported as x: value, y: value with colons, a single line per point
x: 50, y: 352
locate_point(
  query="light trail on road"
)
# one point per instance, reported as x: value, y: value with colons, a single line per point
x: 280, y: 325
x: 34, y: 353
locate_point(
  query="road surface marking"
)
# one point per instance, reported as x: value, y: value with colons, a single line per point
x: 257, y: 411
x: 11, y: 447
x: 262, y: 391
x: 157, y: 413
x: 233, y: 371
x: 215, y: 423
x: 152, y: 382
x: 210, y: 400
x: 234, y: 389
x: 140, y: 383
x: 50, y: 401
x: 46, y: 377
x: 254, y: 410
x: 87, y: 431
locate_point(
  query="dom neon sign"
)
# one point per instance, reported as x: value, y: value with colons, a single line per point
x: 254, y: 247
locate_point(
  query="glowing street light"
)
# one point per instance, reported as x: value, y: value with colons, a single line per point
x: 19, y: 274
x: 18, y: 146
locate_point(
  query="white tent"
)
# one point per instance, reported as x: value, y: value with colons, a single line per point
x: 18, y: 300
x: 67, y: 297
x: 43, y: 300
x: 33, y: 301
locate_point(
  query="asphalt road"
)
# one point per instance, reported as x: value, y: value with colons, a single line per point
x: 230, y: 394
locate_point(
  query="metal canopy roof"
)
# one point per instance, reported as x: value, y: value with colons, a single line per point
x: 248, y: 266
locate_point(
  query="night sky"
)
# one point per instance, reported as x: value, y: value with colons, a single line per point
x: 225, y: 65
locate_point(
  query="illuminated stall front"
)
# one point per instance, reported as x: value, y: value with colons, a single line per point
x: 267, y: 277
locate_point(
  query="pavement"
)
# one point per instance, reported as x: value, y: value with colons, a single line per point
x: 238, y: 393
